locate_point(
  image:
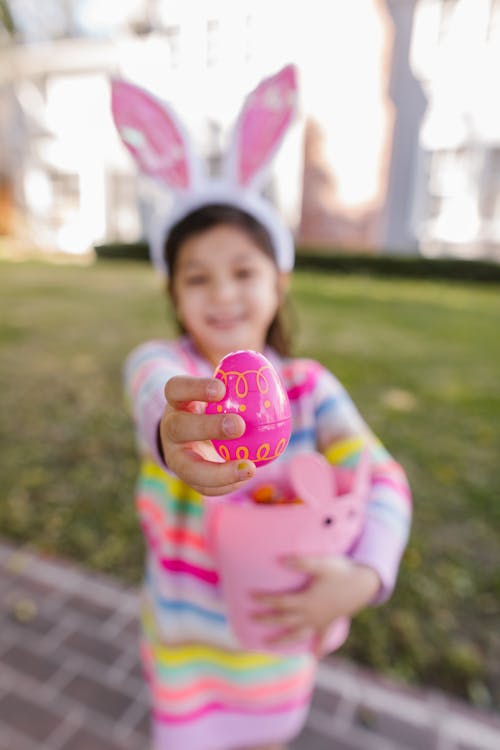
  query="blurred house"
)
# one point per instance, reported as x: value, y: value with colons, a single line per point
x: 396, y: 149
x: 455, y: 53
x: 73, y: 184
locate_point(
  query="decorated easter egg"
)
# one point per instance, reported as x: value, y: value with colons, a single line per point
x: 255, y: 392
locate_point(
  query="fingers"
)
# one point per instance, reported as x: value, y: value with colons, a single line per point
x: 210, y: 477
x: 288, y: 627
x: 185, y: 427
x: 280, y: 602
x: 182, y: 389
x: 218, y: 491
x: 186, y: 432
x: 287, y: 617
x: 311, y: 565
x: 290, y: 636
x: 282, y: 618
x: 181, y: 426
x: 285, y: 611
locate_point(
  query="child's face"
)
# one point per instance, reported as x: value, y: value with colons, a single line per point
x: 226, y: 291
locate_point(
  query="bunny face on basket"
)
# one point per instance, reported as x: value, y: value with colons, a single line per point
x: 255, y: 392
x: 313, y: 509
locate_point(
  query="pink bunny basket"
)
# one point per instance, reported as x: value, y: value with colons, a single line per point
x: 248, y: 539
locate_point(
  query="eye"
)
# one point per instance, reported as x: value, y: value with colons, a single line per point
x: 244, y: 273
x: 197, y: 280
x: 328, y: 521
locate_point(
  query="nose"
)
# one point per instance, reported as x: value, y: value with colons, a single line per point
x: 223, y: 288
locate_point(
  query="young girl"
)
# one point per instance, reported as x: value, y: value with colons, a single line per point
x: 227, y: 257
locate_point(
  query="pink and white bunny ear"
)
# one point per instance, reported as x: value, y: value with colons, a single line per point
x: 261, y: 127
x: 153, y: 136
x: 312, y: 479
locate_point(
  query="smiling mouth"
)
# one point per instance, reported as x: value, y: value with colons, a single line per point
x: 225, y: 323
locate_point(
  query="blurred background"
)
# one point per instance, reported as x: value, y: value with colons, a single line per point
x: 397, y: 147
x: 395, y: 155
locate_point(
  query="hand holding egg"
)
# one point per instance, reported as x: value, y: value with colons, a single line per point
x: 186, y: 433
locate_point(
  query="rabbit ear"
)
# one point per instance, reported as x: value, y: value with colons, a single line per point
x: 313, y: 479
x: 261, y: 126
x: 153, y: 136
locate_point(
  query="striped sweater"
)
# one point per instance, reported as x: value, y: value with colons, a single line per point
x: 206, y: 691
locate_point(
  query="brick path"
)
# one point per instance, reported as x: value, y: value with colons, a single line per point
x: 70, y: 677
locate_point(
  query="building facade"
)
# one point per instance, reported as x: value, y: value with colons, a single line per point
x: 396, y: 147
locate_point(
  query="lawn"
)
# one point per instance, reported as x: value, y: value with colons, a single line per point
x: 422, y: 361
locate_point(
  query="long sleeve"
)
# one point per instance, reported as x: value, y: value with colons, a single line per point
x: 342, y: 435
x: 146, y: 370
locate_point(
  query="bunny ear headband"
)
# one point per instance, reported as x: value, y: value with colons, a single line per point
x: 163, y: 150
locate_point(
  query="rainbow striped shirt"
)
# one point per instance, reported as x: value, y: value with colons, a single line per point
x: 206, y: 691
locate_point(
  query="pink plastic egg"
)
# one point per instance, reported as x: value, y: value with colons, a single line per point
x: 255, y: 392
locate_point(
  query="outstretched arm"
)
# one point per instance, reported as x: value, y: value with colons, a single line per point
x: 168, y: 408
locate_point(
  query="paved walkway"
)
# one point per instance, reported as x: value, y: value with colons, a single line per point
x: 70, y: 677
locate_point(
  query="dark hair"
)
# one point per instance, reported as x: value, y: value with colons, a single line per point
x: 208, y: 217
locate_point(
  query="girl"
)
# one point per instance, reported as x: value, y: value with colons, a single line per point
x: 228, y: 258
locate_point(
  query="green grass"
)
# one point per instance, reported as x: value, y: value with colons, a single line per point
x: 421, y: 360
